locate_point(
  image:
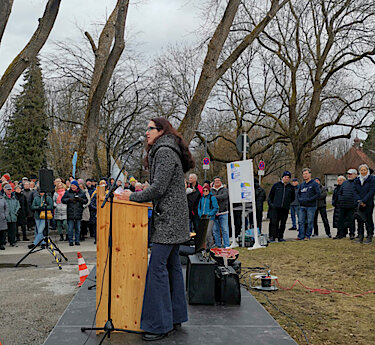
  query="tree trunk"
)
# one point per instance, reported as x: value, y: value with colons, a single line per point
x: 31, y: 50
x: 6, y: 8
x: 105, y: 63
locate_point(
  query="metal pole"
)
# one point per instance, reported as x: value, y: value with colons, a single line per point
x: 206, y: 154
x: 243, y: 203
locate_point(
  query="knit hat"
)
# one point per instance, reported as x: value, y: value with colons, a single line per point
x: 81, y: 181
x: 317, y: 178
x: 286, y: 173
x: 103, y: 182
x: 295, y: 180
x: 75, y: 183
x: 6, y: 176
x: 7, y: 187
x: 207, y: 186
x: 132, y: 179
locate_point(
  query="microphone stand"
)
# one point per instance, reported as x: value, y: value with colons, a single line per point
x: 109, y: 326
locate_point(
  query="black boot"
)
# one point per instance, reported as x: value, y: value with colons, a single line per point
x: 61, y: 237
x: 66, y: 238
x: 368, y: 240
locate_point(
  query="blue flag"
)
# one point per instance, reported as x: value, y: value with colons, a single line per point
x: 74, y: 162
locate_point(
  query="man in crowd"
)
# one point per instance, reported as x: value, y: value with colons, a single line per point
x: 348, y: 202
x: 193, y: 181
x: 322, y: 209
x: 132, y: 181
x: 221, y: 220
x: 89, y: 186
x: 308, y: 193
x: 281, y: 195
x: 294, y: 206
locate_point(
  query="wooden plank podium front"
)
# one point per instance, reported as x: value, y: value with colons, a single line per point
x: 129, y: 261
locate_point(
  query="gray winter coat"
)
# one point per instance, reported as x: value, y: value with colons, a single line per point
x: 86, y: 211
x: 60, y: 209
x: 3, y: 213
x: 222, y: 197
x: 170, y: 216
x: 13, y: 208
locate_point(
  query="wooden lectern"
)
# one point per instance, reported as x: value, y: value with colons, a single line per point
x: 129, y: 261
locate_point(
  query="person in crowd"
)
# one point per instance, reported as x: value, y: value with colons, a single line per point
x: 119, y: 183
x: 67, y: 184
x: 280, y: 197
x: 208, y: 208
x: 89, y: 186
x: 322, y: 209
x: 365, y: 188
x: 193, y: 181
x: 307, y: 195
x: 126, y: 185
x: 138, y: 187
x: 22, y: 213
x: 92, y: 210
x: 94, y: 183
x: 132, y: 181
x: 193, y: 197
x: 41, y: 200
x: 60, y: 211
x: 294, y: 206
x: 86, y: 212
x: 335, y: 201
x: 5, y: 179
x: 23, y: 181
x: 3, y: 221
x: 260, y: 198
x: 111, y: 182
x: 347, y: 201
x: 221, y: 219
x: 168, y: 158
x: 13, y: 209
x: 29, y: 195
x: 75, y: 199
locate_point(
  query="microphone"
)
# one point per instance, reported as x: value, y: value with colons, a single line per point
x: 140, y: 140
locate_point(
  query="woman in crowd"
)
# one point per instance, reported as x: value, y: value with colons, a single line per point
x: 365, y: 187
x: 168, y: 158
x: 40, y: 201
x: 13, y: 208
x: 86, y: 211
x: 208, y: 207
x: 335, y: 201
x: 22, y: 213
x: 60, y: 211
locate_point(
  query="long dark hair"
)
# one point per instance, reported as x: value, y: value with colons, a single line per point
x: 164, y: 125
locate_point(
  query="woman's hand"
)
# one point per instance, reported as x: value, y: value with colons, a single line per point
x: 125, y: 195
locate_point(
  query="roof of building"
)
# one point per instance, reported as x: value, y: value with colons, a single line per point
x: 351, y: 159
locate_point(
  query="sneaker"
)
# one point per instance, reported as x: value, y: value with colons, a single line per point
x: 271, y: 240
x: 43, y: 246
x: 351, y: 237
x: 153, y: 337
x: 368, y: 240
x: 329, y: 236
x: 359, y: 240
x: 337, y: 237
x: 281, y: 240
x: 299, y: 239
x: 2, y: 247
x: 31, y: 246
x: 71, y: 244
x: 77, y: 243
x: 293, y: 228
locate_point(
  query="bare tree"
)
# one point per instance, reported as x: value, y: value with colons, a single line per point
x: 211, y: 72
x: 32, y: 48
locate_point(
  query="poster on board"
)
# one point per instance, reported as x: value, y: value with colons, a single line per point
x: 240, y: 183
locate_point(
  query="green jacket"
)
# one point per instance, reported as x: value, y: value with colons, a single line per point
x: 13, y: 208
x: 38, y: 205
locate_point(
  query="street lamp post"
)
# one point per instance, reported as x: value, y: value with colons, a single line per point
x: 204, y: 135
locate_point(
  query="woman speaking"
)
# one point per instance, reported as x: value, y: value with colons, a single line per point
x: 168, y: 158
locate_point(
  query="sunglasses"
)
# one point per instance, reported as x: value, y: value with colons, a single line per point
x: 205, y: 190
x: 149, y: 129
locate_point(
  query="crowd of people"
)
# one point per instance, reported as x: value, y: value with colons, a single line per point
x: 72, y: 207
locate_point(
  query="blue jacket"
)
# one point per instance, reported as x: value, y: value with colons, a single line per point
x: 347, y: 195
x: 308, y: 193
x: 366, y: 191
x: 204, y: 206
x: 281, y: 195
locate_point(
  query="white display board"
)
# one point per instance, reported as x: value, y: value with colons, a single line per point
x: 240, y: 181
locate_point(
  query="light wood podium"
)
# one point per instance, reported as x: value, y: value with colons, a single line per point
x: 129, y: 261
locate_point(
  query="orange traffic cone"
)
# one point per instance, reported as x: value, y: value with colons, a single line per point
x: 83, y: 270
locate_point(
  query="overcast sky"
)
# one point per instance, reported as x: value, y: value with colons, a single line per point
x: 156, y: 23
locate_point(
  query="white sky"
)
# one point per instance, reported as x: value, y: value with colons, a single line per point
x: 156, y: 23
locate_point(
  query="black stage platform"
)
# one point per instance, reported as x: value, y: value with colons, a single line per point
x: 247, y: 324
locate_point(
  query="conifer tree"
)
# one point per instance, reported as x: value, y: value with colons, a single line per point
x: 25, y: 142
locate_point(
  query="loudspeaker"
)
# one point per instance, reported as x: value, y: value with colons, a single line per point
x: 46, y: 181
x: 200, y: 280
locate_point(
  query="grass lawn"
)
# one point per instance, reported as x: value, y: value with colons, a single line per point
x: 327, y: 264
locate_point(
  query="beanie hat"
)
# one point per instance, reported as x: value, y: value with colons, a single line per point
x: 81, y: 181
x: 132, y: 179
x: 295, y: 180
x: 207, y: 186
x: 286, y: 173
x: 7, y: 187
x: 317, y: 178
x: 6, y: 176
x: 75, y: 183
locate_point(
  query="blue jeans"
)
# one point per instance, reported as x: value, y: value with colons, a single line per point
x: 294, y: 211
x: 164, y: 301
x: 306, y: 213
x: 39, y: 228
x: 221, y: 222
x: 76, y: 226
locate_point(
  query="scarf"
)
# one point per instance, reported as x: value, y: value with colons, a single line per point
x: 364, y: 178
x: 60, y: 193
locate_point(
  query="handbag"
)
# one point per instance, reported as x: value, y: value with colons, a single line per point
x: 43, y: 214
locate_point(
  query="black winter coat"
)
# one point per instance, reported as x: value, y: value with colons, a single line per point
x: 366, y: 191
x: 323, y: 195
x: 335, y: 203
x: 29, y: 195
x: 24, y: 210
x: 281, y: 195
x: 260, y: 197
x: 347, y: 195
x: 75, y: 201
x: 193, y: 202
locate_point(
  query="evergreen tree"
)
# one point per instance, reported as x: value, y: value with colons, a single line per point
x: 25, y: 142
x: 369, y: 143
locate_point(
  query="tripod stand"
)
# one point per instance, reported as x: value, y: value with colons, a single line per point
x: 109, y: 326
x: 50, y: 245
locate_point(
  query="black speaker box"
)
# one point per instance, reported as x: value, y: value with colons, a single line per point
x: 46, y: 181
x: 227, y: 285
x: 200, y: 280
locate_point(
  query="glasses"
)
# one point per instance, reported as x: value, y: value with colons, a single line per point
x: 149, y: 129
x: 205, y: 190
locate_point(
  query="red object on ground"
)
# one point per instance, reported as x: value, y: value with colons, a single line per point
x: 227, y: 253
x: 83, y: 270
